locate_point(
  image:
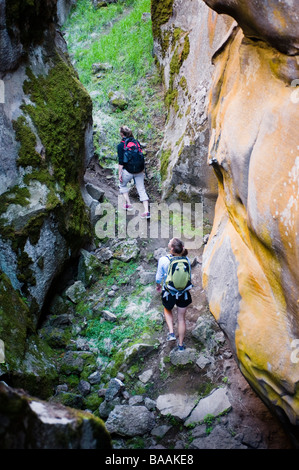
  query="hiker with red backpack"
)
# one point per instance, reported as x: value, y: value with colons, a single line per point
x: 131, y: 166
x: 173, y: 279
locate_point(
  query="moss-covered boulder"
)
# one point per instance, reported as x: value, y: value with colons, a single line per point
x: 45, y: 147
x: 29, y: 423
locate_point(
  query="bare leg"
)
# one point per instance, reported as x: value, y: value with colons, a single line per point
x: 126, y: 198
x: 169, y: 319
x: 181, y: 324
x: 145, y: 204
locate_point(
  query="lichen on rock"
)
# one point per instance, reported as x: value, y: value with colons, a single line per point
x: 250, y: 262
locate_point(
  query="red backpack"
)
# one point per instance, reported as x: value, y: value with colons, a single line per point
x: 133, y: 156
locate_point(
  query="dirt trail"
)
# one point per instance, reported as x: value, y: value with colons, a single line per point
x: 249, y: 419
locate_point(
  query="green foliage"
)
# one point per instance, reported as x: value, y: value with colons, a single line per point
x: 61, y: 111
x: 15, y: 195
x: 161, y: 12
x: 118, y: 36
x: 165, y: 156
x: 27, y: 153
x: 126, y: 47
x: 61, y: 108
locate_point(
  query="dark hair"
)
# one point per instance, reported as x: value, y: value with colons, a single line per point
x: 126, y: 131
x: 178, y: 247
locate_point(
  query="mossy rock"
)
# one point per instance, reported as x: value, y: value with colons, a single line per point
x: 61, y: 111
x: 31, y: 423
x: 161, y: 13
x: 92, y: 401
x: 14, y: 324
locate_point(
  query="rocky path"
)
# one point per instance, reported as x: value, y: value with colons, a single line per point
x: 196, y: 399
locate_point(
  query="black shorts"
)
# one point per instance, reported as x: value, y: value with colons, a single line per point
x: 170, y: 301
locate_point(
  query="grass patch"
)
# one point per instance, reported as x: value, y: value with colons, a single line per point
x: 121, y: 36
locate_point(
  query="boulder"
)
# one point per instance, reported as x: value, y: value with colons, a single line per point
x: 75, y: 291
x: 95, y: 192
x: 125, y: 250
x: 115, y: 388
x: 45, y: 147
x: 176, y: 404
x: 137, y: 350
x: 145, y: 376
x: 219, y: 438
x: 109, y: 316
x: 29, y: 423
x: 188, y: 356
x: 100, y: 67
x: 214, y: 404
x: 84, y: 387
x: 118, y: 100
x: 130, y: 421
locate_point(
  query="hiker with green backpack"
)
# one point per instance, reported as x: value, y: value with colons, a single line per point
x: 173, y: 279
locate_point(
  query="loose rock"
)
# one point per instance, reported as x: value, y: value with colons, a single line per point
x: 130, y: 421
x: 214, y: 404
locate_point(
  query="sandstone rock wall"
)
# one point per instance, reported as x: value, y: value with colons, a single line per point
x: 186, y: 34
x: 45, y: 145
x: 251, y: 260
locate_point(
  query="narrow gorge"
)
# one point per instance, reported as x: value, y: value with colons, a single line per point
x: 209, y: 88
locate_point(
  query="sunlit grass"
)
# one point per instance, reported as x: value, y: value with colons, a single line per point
x: 121, y: 36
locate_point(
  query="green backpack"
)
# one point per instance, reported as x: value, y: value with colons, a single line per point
x: 178, y: 278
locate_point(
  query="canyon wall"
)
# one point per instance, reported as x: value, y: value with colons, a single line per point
x: 251, y: 261
x: 45, y: 145
x: 230, y: 71
x: 186, y: 34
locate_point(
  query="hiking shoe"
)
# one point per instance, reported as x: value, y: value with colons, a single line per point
x: 181, y: 348
x: 145, y: 215
x: 171, y: 337
x: 128, y: 207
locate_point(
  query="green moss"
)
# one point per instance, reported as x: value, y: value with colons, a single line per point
x: 178, y: 142
x: 183, y: 84
x: 161, y: 12
x: 61, y: 111
x: 186, y: 49
x: 15, y: 321
x: 179, y: 56
x: 27, y: 153
x: 165, y: 41
x: 15, y: 195
x: 188, y: 110
x: 25, y: 275
x: 92, y: 401
x: 171, y: 99
x: 164, y: 161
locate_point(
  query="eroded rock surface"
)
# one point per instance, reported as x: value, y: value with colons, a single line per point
x: 251, y: 259
x: 45, y: 146
x: 186, y: 34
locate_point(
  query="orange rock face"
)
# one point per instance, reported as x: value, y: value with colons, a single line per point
x: 251, y: 262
